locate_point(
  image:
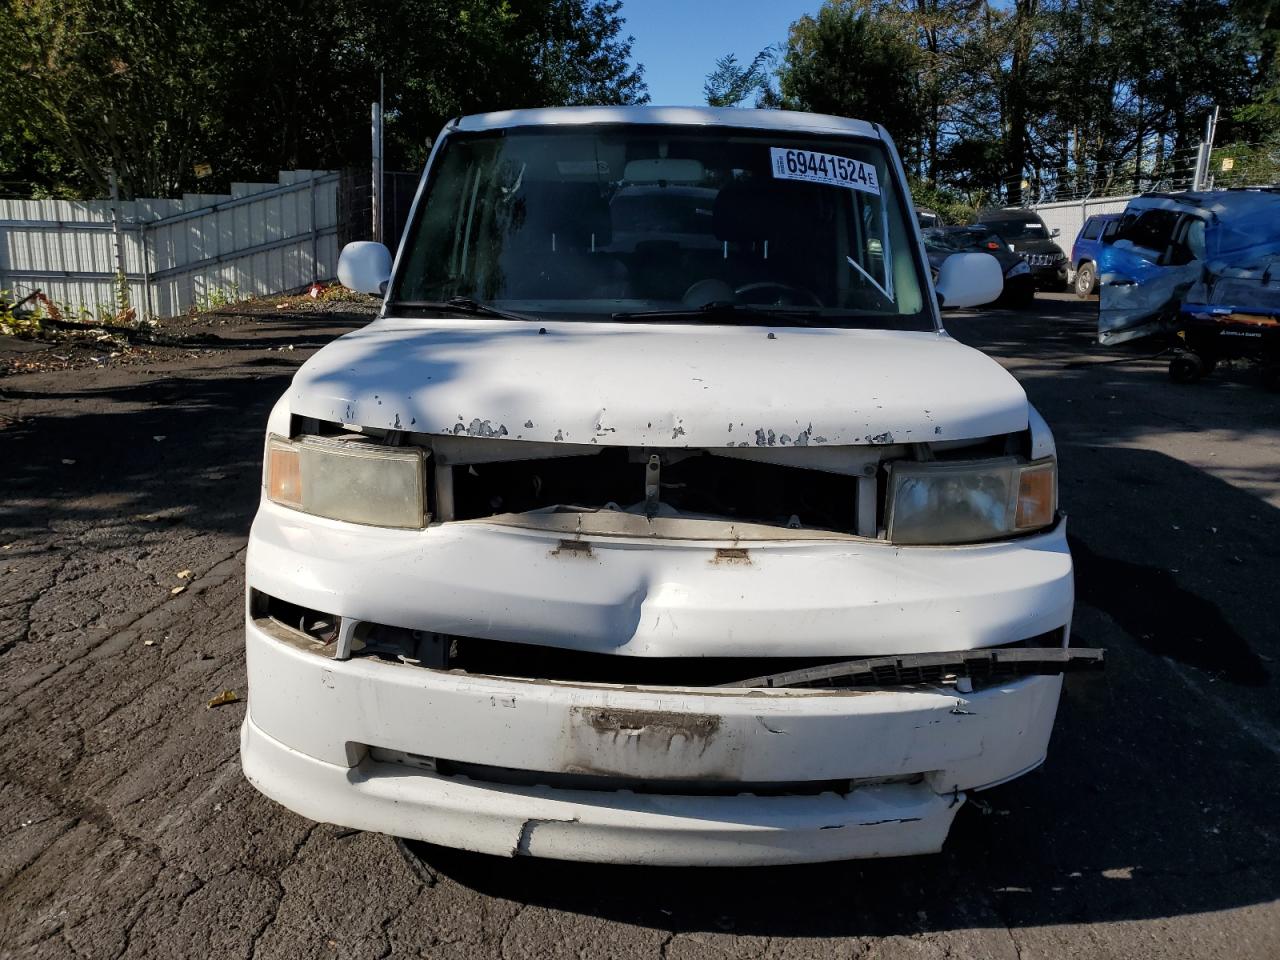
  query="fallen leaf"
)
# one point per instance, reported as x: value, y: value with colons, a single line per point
x: 69, y: 463
x: 222, y: 699
x: 178, y: 589
x: 184, y: 574
x: 158, y: 437
x: 148, y: 643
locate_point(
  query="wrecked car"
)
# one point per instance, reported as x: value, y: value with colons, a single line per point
x: 669, y: 535
x: 1233, y: 310
x: 1210, y: 248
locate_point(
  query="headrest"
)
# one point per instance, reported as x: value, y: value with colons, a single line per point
x: 761, y: 210
x: 572, y: 211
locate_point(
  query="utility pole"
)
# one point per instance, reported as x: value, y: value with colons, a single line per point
x: 1201, y: 180
x: 376, y: 192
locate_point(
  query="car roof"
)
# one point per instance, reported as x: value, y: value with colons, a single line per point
x: 784, y: 121
x: 1209, y: 203
x: 1105, y: 216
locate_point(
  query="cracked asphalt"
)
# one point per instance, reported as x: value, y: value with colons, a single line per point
x: 126, y: 829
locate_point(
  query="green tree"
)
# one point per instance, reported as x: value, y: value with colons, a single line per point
x: 151, y: 87
x: 848, y: 62
x: 731, y: 82
x: 89, y: 84
x: 1259, y: 118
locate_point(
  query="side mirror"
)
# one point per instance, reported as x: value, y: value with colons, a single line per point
x: 365, y: 267
x: 969, y: 279
x: 1055, y: 232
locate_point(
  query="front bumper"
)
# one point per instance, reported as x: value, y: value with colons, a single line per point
x: 306, y: 744
x: 875, y: 821
x: 1051, y: 275
x: 653, y: 598
x: 319, y: 732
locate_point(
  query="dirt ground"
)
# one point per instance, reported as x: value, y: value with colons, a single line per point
x: 126, y: 829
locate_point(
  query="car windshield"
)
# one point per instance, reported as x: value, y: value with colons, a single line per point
x: 1015, y: 230
x: 955, y: 241
x: 589, y: 223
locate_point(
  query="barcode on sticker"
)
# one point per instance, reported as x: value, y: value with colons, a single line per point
x: 814, y: 167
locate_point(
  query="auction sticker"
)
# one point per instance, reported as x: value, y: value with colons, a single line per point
x: 814, y: 167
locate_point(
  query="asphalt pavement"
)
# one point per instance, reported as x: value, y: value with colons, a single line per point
x: 126, y: 829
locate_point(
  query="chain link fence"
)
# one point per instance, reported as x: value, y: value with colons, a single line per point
x: 355, y: 205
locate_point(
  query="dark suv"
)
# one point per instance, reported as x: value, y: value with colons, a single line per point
x: 1097, y: 230
x: 1031, y: 240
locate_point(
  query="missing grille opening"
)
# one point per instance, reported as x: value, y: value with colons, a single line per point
x: 694, y: 484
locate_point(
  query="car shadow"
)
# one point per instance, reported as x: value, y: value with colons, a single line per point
x: 1155, y: 800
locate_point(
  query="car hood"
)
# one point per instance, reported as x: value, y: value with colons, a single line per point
x: 658, y: 384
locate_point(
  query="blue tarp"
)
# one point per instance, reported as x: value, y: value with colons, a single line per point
x: 1224, y: 252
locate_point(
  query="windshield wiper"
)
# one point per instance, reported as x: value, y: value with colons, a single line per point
x: 719, y: 309
x: 460, y: 305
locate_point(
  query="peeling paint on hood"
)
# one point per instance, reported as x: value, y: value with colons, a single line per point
x: 658, y: 384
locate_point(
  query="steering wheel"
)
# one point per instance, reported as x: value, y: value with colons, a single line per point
x: 783, y: 288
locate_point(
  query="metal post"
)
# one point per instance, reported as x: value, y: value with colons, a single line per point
x: 148, y: 311
x: 382, y: 162
x: 315, y: 234
x: 1208, y: 152
x: 376, y: 193
x: 122, y: 286
x: 1201, y: 181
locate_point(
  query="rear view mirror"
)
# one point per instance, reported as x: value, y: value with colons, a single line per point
x: 365, y: 267
x: 1055, y: 232
x: 969, y: 279
x: 663, y: 170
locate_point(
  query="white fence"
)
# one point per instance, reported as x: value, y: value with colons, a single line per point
x: 261, y: 239
x: 1069, y: 215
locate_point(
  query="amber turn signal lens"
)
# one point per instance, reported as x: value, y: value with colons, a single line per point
x: 284, y: 474
x: 1037, y: 496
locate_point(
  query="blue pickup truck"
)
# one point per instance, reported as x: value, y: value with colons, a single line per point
x: 1097, y: 230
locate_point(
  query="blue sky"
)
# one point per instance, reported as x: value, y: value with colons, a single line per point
x: 678, y: 41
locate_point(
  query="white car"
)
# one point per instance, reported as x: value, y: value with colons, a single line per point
x: 666, y: 551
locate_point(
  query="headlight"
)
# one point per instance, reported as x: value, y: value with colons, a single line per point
x: 1018, y: 269
x: 942, y: 503
x: 348, y: 480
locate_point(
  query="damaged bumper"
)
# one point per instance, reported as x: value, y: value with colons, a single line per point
x: 625, y: 773
x: 660, y: 776
x: 655, y: 598
x: 884, y: 820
